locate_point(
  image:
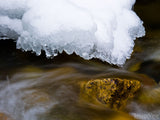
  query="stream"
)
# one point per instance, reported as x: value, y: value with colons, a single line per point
x: 36, y: 88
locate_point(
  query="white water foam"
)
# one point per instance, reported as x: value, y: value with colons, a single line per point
x: 103, y: 29
x: 17, y: 101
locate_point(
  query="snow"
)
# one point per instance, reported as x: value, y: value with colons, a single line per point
x: 103, y: 29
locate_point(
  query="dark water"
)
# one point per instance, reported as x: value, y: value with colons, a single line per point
x: 36, y: 88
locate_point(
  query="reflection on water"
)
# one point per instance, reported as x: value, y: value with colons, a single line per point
x: 36, y: 88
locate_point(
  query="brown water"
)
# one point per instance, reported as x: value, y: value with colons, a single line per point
x: 36, y: 88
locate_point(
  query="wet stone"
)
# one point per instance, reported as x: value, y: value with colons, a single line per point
x: 112, y: 92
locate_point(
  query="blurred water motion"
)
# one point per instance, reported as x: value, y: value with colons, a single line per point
x: 39, y: 94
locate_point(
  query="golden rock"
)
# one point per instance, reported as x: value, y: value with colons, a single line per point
x: 112, y: 92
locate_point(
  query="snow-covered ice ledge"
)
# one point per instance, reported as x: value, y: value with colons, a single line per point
x: 103, y: 29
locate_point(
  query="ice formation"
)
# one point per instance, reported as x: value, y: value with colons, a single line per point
x: 103, y: 29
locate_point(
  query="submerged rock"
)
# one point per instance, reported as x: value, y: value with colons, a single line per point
x: 151, y: 96
x: 147, y: 106
x: 36, y: 98
x: 112, y: 92
x: 4, y: 117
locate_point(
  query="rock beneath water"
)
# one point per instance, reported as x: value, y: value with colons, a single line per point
x: 150, y: 96
x: 112, y: 92
x: 36, y: 98
x: 4, y: 117
x: 147, y: 106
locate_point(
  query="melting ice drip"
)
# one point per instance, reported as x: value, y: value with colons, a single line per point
x: 103, y: 29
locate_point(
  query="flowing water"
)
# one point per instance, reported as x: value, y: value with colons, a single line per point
x: 37, y: 88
